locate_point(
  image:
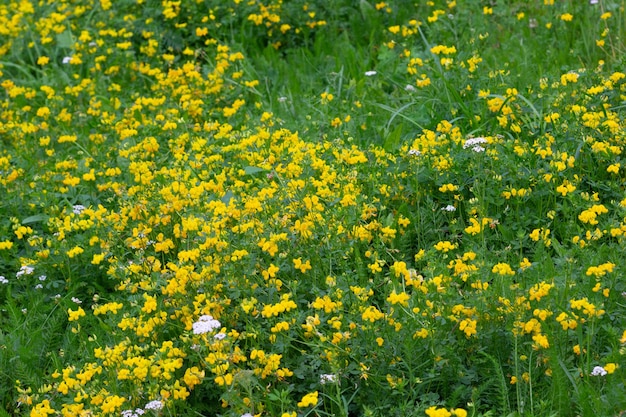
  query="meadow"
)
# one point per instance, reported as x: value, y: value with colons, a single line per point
x: 292, y: 208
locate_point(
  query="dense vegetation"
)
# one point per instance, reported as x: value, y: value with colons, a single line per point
x: 312, y: 208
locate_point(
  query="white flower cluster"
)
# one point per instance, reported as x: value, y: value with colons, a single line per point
x: 449, y: 208
x: 328, y: 379
x: 132, y: 413
x: 78, y: 208
x: 414, y: 152
x: 205, y: 324
x: 475, y: 144
x: 25, y: 270
x: 3, y: 280
x: 154, y: 405
x: 598, y: 371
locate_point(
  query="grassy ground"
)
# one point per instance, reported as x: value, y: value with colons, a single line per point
x: 294, y: 208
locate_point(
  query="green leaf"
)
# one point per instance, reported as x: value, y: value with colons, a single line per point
x: 65, y: 40
x: 367, y: 10
x: 393, y: 139
x: 36, y: 218
x: 253, y: 170
x: 227, y: 197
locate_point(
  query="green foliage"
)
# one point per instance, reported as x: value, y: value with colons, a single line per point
x: 309, y: 208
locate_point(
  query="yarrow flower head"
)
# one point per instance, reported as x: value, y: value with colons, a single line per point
x: 414, y: 152
x: 3, y: 280
x: 328, y: 379
x: 449, y: 207
x: 132, y: 413
x: 154, y: 405
x: 206, y: 324
x: 78, y: 208
x: 475, y: 144
x: 471, y: 142
x: 370, y: 73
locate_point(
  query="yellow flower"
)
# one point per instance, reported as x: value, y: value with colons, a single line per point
x: 610, y: 367
x: 372, y: 314
x: 6, y: 244
x: 75, y: 315
x: 448, y: 187
x: 402, y: 298
x: 437, y: 412
x: 613, y: 168
x: 459, y: 412
x: 309, y: 399
x: 502, y: 268
x: 468, y: 326
x: 302, y: 266
x: 445, y: 246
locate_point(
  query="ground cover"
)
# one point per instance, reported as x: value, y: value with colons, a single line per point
x: 247, y: 208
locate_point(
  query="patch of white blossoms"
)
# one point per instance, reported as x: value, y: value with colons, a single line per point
x: 205, y: 324
x: 475, y: 144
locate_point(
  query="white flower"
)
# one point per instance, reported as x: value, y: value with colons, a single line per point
x: 328, y: 379
x: 78, y: 208
x: 414, y: 152
x: 76, y: 300
x: 219, y: 336
x: 593, y: 1
x: 410, y: 88
x: 478, y: 149
x: 38, y: 286
x: 598, y: 371
x: 449, y: 208
x: 3, y: 280
x: 370, y: 73
x: 25, y: 270
x: 247, y: 415
x: 67, y: 59
x: 42, y: 277
x: 282, y: 99
x: 154, y: 405
x: 205, y: 324
x: 473, y: 142
x: 132, y: 413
